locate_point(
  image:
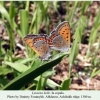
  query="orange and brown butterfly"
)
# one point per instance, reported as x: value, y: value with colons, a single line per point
x: 59, y: 38
x: 39, y: 44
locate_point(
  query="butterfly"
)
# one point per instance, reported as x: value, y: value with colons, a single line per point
x: 42, y: 44
x: 39, y: 44
x: 59, y: 38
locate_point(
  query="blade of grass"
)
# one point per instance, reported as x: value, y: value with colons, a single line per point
x: 78, y: 36
x: 10, y: 28
x: 27, y: 5
x: 44, y: 7
x: 38, y: 20
x: 65, y: 84
x: 70, y: 15
x: 17, y: 66
x: 85, y: 5
x: 5, y: 70
x: 24, y: 22
x: 4, y: 12
x: 12, y: 13
x: 30, y: 74
x: 95, y: 60
x: 93, y: 33
x: 41, y: 83
x: 94, y: 72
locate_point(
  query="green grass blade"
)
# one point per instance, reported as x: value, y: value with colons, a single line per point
x: 65, y: 84
x: 4, y: 12
x: 5, y: 70
x: 38, y: 21
x: 12, y: 13
x: 85, y: 5
x: 95, y: 28
x: 78, y: 36
x: 94, y: 72
x: 50, y: 83
x: 94, y: 31
x: 27, y: 5
x: 41, y: 83
x: 70, y: 15
x: 33, y: 21
x: 31, y: 74
x: 17, y: 66
x: 24, y: 22
x: 24, y: 61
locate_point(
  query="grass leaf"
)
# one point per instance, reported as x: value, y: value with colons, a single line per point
x: 31, y: 74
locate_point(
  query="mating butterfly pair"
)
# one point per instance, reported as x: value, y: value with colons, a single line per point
x: 59, y: 39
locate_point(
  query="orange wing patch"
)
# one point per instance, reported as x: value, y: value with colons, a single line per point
x: 64, y: 30
x: 29, y: 42
x: 41, y: 38
x: 52, y: 37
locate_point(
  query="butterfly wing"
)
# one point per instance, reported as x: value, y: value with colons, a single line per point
x: 39, y: 43
x: 64, y: 30
x: 29, y: 41
x: 60, y: 37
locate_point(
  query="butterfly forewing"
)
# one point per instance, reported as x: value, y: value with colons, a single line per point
x: 29, y: 41
x: 64, y: 30
x: 39, y: 43
x: 60, y: 37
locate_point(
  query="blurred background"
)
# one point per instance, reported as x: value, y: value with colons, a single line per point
x: 19, y: 66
